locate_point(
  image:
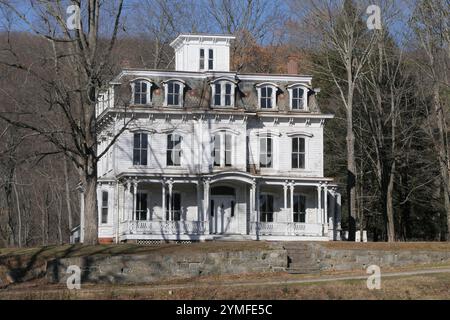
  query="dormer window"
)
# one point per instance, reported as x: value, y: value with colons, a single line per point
x: 174, y: 93
x: 267, y: 95
x: 141, y: 92
x: 223, y: 93
x: 202, y: 59
x: 298, y: 97
x: 210, y: 59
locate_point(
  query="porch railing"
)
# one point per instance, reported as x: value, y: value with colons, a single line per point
x: 162, y: 227
x: 285, y: 228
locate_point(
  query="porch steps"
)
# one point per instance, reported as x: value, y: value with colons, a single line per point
x: 231, y: 237
x: 301, y: 258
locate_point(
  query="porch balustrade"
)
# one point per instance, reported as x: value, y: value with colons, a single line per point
x: 285, y: 228
x: 163, y: 227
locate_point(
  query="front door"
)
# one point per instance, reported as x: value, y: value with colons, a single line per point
x: 222, y: 215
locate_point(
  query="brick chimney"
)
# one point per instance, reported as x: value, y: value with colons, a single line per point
x: 292, y: 65
x: 125, y: 64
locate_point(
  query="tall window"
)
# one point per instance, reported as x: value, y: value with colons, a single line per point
x: 174, y: 149
x: 223, y: 150
x: 297, y: 99
x: 173, y: 94
x: 176, y: 207
x: 202, y: 59
x: 299, y: 208
x: 223, y: 94
x: 265, y: 152
x: 266, y: 98
x: 228, y: 150
x: 298, y: 153
x: 141, y: 92
x: 266, y: 207
x: 140, y: 149
x: 216, y: 150
x: 104, y: 206
x: 210, y: 59
x: 218, y: 94
x: 141, y: 206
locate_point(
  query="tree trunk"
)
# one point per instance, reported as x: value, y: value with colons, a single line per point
x: 90, y: 210
x: 442, y: 154
x: 67, y: 190
x: 351, y: 165
x: 390, y: 227
x: 19, y: 215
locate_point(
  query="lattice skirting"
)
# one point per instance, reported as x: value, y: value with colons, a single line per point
x: 153, y: 242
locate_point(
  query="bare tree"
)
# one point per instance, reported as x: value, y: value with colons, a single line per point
x: 430, y: 23
x: 74, y: 70
x: 345, y: 45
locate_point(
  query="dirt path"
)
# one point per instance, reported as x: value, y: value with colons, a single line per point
x: 196, y: 285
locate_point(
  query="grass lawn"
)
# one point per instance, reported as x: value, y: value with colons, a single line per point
x: 428, y: 286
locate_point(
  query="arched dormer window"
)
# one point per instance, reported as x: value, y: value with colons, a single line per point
x: 267, y: 95
x: 223, y: 92
x: 298, y: 97
x: 141, y: 92
x: 174, y: 92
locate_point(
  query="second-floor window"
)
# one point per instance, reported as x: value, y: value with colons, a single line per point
x: 174, y: 151
x: 141, y: 92
x: 140, y: 147
x: 299, y: 208
x: 298, y: 153
x: 222, y: 150
x: 265, y: 152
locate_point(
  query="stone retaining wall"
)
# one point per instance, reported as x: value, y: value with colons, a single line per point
x: 357, y: 259
x: 155, y: 266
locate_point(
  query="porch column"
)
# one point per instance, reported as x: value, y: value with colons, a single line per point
x: 258, y: 205
x: 199, y: 202
x: 127, y: 205
x: 135, y: 186
x: 163, y: 200
x: 291, y: 187
x: 325, y: 210
x: 206, y: 201
x: 331, y: 218
x: 319, y: 204
x: 81, y: 190
x: 170, y: 184
x: 285, y: 187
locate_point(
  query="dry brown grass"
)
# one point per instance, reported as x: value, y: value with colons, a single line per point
x: 430, y: 286
x: 394, y: 246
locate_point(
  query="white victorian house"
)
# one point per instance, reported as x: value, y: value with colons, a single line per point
x: 212, y: 154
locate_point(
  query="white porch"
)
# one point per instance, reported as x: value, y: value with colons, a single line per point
x: 219, y: 206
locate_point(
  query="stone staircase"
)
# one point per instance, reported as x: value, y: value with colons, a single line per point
x: 301, y: 258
